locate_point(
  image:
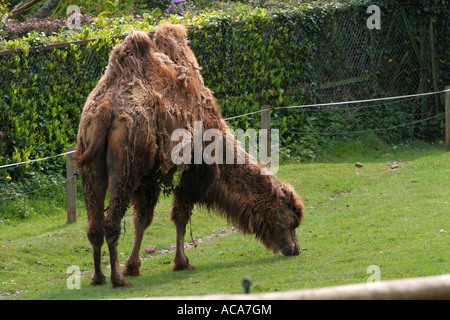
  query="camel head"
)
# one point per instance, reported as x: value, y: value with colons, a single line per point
x: 283, y: 236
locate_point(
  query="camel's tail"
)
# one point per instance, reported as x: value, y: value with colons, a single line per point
x: 92, y: 134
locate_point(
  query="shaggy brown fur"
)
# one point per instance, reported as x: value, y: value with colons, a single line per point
x: 149, y: 89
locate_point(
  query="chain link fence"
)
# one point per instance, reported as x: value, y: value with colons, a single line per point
x: 401, y: 58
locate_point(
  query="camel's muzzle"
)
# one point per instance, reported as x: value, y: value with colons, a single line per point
x: 292, y: 250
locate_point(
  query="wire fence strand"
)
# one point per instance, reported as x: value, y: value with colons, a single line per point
x: 297, y: 107
x: 342, y: 103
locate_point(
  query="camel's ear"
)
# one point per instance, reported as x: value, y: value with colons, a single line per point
x: 290, y: 199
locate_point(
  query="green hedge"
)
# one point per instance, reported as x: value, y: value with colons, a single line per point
x: 41, y: 101
x: 288, y: 58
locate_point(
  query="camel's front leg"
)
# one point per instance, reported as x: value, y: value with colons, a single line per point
x: 193, y: 185
x: 181, y: 213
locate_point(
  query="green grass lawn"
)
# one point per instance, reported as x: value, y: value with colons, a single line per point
x: 355, y: 218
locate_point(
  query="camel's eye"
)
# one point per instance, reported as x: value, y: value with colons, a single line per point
x: 296, y: 222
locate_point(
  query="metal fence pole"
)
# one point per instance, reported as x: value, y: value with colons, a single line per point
x: 447, y: 119
x: 71, y: 188
x: 265, y: 125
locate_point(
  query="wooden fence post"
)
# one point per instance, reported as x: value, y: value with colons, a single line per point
x: 71, y: 188
x: 265, y: 124
x: 447, y: 119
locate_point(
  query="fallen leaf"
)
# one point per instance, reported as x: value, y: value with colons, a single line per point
x: 150, y: 249
x: 247, y: 255
x: 394, y: 166
x: 442, y: 231
x: 358, y: 164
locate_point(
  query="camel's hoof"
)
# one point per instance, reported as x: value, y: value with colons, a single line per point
x: 122, y: 284
x: 183, y: 267
x: 98, y: 280
x: 131, y: 271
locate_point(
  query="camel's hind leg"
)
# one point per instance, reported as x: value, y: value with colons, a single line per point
x: 120, y: 194
x: 144, y: 201
x: 95, y: 181
x: 123, y: 174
